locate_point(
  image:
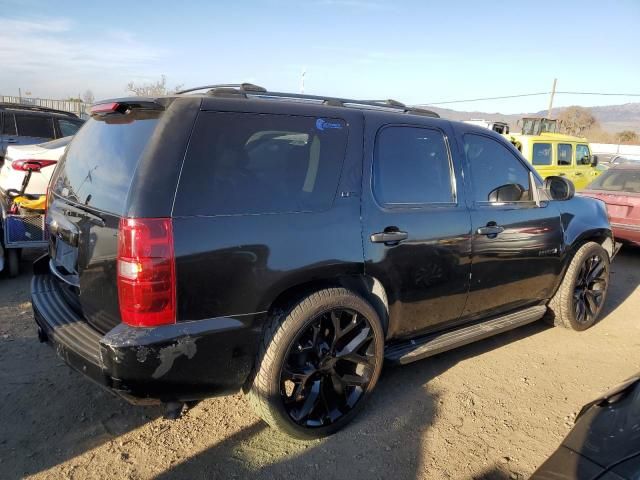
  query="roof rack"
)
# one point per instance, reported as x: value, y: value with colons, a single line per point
x: 249, y: 89
x: 37, y: 108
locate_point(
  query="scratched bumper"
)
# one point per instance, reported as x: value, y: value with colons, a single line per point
x: 181, y: 362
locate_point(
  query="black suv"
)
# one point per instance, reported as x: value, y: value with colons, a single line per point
x: 29, y: 124
x: 289, y: 244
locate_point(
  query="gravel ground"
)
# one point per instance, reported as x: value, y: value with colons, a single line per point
x: 494, y: 409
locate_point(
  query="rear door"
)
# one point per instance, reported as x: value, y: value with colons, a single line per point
x: 516, y: 243
x: 416, y: 225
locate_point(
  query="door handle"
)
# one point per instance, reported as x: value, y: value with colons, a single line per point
x: 389, y: 238
x: 578, y: 174
x: 12, y: 140
x: 490, y: 230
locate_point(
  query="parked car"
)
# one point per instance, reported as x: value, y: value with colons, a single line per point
x: 619, y: 188
x: 618, y: 159
x: 289, y: 245
x: 553, y: 153
x: 604, y: 444
x: 27, y: 125
x: 18, y: 158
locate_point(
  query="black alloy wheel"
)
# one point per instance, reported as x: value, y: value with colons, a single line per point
x: 328, y: 368
x: 590, y: 289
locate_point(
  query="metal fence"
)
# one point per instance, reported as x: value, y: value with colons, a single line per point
x: 79, y: 108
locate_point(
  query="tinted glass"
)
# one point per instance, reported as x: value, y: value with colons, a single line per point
x: 618, y: 181
x: 241, y: 163
x: 9, y: 124
x: 411, y: 166
x: 35, y: 126
x: 496, y: 174
x: 100, y: 161
x: 583, y: 156
x: 68, y: 127
x: 565, y: 152
x: 541, y: 154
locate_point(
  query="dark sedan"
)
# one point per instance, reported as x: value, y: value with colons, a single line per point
x: 619, y: 188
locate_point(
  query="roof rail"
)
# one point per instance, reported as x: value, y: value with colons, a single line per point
x: 37, y: 108
x: 241, y: 87
x: 249, y: 89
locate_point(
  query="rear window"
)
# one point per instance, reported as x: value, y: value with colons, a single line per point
x: 618, y: 181
x: 9, y: 124
x: 100, y: 161
x: 242, y: 163
x: 38, y: 126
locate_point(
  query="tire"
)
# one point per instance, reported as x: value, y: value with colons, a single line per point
x: 586, y: 281
x: 311, y: 378
x: 13, y: 262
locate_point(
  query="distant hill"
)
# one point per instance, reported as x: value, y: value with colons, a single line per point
x: 612, y: 118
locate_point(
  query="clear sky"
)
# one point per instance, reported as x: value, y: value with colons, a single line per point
x: 413, y: 51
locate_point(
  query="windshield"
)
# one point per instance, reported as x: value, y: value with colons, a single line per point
x: 621, y: 180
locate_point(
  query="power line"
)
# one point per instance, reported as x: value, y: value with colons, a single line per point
x: 534, y: 95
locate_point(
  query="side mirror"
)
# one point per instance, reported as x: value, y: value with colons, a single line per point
x: 594, y: 160
x: 559, y: 188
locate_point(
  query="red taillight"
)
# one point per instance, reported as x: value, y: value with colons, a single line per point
x: 25, y: 165
x: 146, y: 272
x: 105, y: 108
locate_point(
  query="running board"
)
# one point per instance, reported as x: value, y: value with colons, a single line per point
x: 416, y: 349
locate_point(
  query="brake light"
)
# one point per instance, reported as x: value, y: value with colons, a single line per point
x: 105, y: 108
x: 25, y: 165
x: 146, y: 272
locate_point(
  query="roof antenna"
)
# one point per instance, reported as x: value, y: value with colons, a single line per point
x: 304, y: 72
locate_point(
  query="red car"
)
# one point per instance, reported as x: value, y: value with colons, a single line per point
x: 619, y: 188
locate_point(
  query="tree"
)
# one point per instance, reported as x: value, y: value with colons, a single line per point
x: 627, y: 136
x: 88, y: 97
x: 577, y: 121
x: 152, y: 89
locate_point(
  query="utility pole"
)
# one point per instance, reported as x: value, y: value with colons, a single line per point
x: 553, y: 94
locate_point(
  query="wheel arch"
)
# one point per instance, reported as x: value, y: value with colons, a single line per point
x: 370, y: 288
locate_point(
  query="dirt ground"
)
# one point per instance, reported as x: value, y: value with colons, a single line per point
x: 494, y: 409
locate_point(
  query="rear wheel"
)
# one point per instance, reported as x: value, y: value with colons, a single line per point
x: 580, y: 298
x: 318, y: 363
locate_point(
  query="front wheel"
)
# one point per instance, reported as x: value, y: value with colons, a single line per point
x: 318, y: 363
x: 580, y: 298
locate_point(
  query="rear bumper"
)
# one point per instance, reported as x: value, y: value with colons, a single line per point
x: 181, y: 362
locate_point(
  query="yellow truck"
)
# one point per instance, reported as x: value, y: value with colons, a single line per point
x: 553, y: 153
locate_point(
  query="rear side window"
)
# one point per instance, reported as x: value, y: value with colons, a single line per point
x: 9, y: 124
x: 541, y: 154
x: 242, y: 163
x: 35, y: 126
x: 411, y: 166
x: 565, y: 152
x: 101, y: 159
x: 68, y: 127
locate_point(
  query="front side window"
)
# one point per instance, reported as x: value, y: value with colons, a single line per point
x: 497, y: 176
x: 412, y: 166
x: 541, y: 154
x: 243, y: 163
x: 565, y: 152
x: 38, y: 126
x: 583, y: 155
